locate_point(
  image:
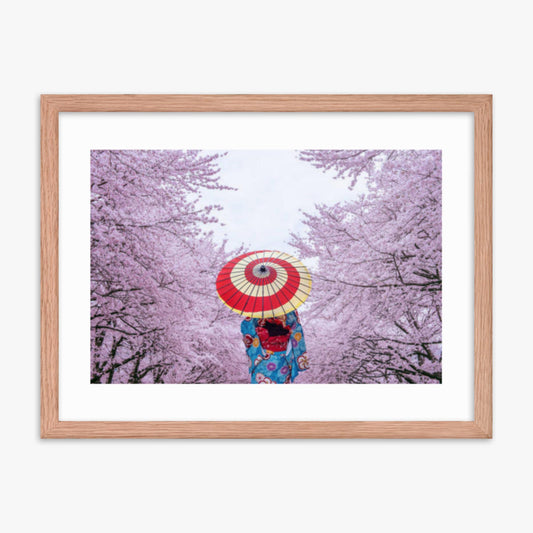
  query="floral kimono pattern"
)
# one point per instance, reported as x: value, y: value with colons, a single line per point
x: 275, y: 347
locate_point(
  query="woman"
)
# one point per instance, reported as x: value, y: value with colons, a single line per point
x: 275, y: 347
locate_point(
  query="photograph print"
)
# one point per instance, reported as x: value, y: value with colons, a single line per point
x: 266, y: 266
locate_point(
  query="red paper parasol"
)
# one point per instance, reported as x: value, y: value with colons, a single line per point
x: 263, y: 284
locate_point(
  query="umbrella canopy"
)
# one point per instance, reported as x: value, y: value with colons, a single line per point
x: 263, y: 284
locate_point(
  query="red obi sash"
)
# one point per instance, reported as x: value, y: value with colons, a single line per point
x: 273, y: 334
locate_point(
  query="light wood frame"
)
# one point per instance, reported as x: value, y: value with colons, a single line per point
x: 479, y: 105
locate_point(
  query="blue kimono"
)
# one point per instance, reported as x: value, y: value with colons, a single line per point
x: 275, y: 347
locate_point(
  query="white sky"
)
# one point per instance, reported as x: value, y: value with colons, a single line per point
x: 272, y: 186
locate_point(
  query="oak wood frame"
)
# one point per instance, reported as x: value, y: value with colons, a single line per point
x: 479, y: 105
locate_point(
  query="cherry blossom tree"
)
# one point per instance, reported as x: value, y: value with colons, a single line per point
x: 155, y: 316
x: 374, y: 314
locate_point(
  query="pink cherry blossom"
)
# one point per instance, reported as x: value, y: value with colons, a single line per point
x: 375, y: 311
x: 155, y: 315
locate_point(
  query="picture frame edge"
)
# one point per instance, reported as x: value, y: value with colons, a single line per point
x: 480, y: 105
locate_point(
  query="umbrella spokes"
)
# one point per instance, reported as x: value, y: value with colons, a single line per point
x: 263, y: 284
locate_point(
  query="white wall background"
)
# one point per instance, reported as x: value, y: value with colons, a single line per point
x: 276, y: 46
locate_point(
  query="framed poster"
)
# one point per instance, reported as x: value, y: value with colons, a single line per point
x: 194, y: 246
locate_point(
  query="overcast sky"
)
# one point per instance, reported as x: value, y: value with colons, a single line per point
x: 272, y: 186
